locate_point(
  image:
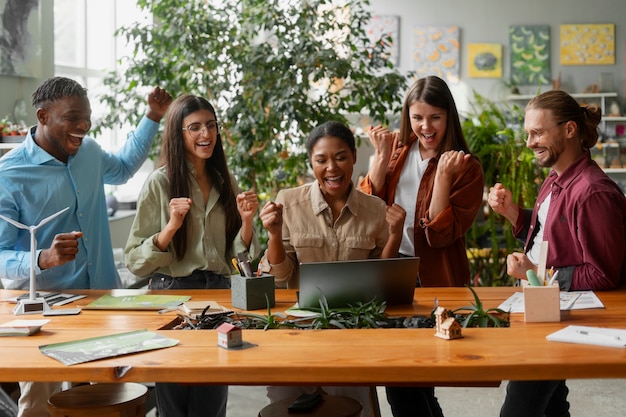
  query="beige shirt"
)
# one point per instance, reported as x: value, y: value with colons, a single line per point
x: 206, y: 243
x: 309, y: 234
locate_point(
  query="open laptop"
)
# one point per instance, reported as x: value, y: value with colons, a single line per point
x: 347, y: 282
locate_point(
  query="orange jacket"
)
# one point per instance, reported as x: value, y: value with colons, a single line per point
x: 440, y: 242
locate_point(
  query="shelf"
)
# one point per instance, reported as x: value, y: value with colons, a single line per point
x: 9, y: 145
x: 575, y: 95
x: 614, y: 118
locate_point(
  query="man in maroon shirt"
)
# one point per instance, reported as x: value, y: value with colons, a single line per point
x: 580, y: 211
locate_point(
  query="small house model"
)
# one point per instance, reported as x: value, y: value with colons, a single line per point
x: 447, y: 327
x: 229, y: 335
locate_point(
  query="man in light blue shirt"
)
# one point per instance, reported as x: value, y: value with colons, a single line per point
x: 58, y: 166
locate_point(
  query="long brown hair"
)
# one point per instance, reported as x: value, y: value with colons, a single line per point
x: 173, y: 158
x: 564, y: 108
x: 434, y: 91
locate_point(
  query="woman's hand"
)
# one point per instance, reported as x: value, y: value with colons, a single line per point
x: 382, y: 140
x: 247, y: 205
x: 179, y: 207
x: 395, y: 218
x: 450, y: 163
x: 272, y: 217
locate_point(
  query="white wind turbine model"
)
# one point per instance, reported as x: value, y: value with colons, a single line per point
x: 33, y: 304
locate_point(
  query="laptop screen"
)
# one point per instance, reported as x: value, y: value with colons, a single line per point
x: 345, y: 283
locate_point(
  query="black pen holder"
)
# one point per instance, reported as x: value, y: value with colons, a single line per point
x: 249, y: 293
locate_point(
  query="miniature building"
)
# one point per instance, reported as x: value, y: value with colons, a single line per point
x: 229, y: 335
x: 446, y: 327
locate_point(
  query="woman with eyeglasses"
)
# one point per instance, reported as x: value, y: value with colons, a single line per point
x: 190, y: 223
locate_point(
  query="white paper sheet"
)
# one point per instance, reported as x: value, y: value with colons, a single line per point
x: 570, y: 300
x: 600, y: 336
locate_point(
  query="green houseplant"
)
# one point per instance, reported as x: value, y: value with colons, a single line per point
x: 274, y: 69
x: 494, y: 133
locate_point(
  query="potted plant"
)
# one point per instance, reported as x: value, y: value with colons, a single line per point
x: 494, y: 133
x: 476, y: 315
x: 274, y: 70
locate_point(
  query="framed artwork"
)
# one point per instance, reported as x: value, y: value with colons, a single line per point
x: 383, y: 26
x: 20, y: 48
x: 485, y: 60
x: 588, y: 44
x: 530, y: 54
x: 436, y: 52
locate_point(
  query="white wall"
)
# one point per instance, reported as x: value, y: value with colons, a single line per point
x: 479, y: 21
x: 487, y: 21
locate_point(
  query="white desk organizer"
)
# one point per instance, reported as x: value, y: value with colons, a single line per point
x: 541, y: 304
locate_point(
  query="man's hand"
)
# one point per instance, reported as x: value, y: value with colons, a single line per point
x: 63, y: 249
x: 517, y: 264
x: 501, y: 201
x: 159, y: 101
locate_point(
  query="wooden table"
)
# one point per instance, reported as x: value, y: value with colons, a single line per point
x: 363, y: 357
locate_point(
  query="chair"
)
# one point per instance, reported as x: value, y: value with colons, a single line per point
x: 100, y: 400
x: 330, y: 406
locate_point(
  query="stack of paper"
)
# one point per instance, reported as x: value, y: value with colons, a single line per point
x: 21, y: 327
x: 196, y: 308
x: 600, y: 336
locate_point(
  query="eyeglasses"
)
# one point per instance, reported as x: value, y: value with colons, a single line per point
x: 195, y: 129
x: 538, y: 133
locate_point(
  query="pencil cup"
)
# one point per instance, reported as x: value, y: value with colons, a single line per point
x: 541, y: 304
x: 248, y: 293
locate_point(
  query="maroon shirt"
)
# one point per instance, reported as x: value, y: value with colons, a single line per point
x: 585, y: 227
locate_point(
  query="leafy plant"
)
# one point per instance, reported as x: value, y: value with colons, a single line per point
x: 495, y: 135
x: 476, y: 316
x: 273, y: 68
x: 358, y: 316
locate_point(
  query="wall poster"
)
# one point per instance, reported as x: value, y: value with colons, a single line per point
x: 588, y: 44
x: 485, y: 60
x: 382, y: 26
x: 20, y: 39
x: 530, y: 54
x: 436, y: 52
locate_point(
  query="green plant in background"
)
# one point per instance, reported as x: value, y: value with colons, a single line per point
x: 273, y: 68
x: 495, y: 135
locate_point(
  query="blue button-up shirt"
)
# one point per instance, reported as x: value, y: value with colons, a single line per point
x: 35, y: 185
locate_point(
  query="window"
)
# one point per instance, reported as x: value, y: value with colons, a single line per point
x: 85, y: 48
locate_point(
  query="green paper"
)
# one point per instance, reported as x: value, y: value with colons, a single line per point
x: 137, y: 302
x: 86, y: 350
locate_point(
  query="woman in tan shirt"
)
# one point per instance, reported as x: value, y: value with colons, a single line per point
x: 327, y: 220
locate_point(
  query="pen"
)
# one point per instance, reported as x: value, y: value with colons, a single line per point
x: 236, y: 265
x: 553, y: 277
x: 168, y: 309
x: 244, y: 263
x: 594, y: 334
